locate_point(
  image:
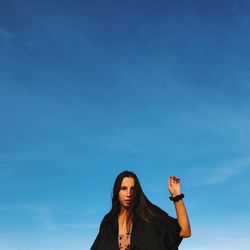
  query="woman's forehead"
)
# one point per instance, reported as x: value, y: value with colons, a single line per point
x: 128, y: 181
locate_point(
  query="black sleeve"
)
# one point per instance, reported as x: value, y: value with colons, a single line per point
x: 95, y: 244
x: 97, y: 239
x: 172, y: 237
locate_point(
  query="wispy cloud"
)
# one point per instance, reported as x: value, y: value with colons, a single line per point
x: 217, y: 240
x: 5, y: 35
x: 154, y: 189
x: 92, y: 212
x: 81, y: 226
x: 136, y: 140
x: 228, y: 126
x: 14, y: 162
x: 120, y: 142
x: 222, y: 172
x: 41, y: 212
x: 6, y: 38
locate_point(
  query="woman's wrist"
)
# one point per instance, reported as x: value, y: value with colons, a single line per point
x: 176, y: 198
x: 175, y: 194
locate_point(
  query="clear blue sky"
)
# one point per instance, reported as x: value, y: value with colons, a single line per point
x: 91, y: 88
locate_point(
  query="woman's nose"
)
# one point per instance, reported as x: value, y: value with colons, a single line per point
x: 129, y: 193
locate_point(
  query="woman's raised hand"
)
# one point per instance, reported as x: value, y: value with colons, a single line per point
x: 174, y: 186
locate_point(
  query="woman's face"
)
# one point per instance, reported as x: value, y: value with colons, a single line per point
x: 126, y: 191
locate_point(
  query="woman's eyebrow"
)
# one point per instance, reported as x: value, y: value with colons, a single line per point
x: 127, y: 186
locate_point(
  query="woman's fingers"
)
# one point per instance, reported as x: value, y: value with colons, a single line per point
x: 174, y: 179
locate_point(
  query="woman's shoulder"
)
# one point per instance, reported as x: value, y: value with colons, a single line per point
x: 106, y: 219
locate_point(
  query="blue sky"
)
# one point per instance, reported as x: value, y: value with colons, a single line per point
x: 91, y: 88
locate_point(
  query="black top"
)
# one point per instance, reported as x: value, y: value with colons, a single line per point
x: 145, y: 236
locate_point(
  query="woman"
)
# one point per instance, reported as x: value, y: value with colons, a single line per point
x: 134, y: 223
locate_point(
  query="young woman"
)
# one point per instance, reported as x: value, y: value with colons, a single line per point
x: 134, y: 223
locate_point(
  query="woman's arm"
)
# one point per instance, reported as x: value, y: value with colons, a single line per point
x: 182, y: 216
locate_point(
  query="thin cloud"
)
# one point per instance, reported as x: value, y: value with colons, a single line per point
x: 92, y: 212
x: 218, y: 240
x: 81, y: 226
x: 6, y: 38
x: 224, y: 172
x: 42, y: 212
x: 13, y: 163
x: 5, y: 35
x: 120, y: 142
x: 154, y: 189
x: 135, y: 140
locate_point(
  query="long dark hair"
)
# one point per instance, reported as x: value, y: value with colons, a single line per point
x: 140, y: 205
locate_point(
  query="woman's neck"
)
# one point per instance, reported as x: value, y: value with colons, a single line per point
x: 123, y: 212
x: 124, y: 225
